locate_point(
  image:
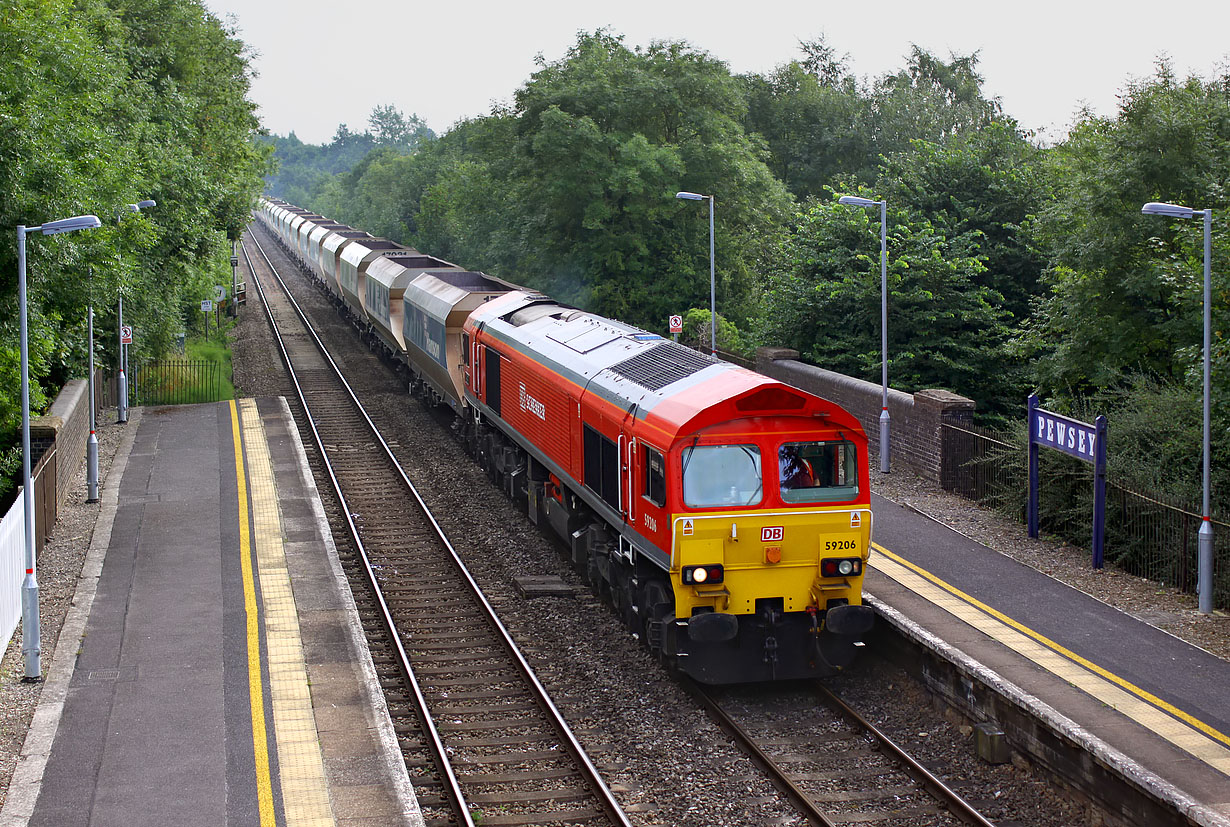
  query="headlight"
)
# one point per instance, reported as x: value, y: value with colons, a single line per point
x: 841, y: 567
x: 697, y: 575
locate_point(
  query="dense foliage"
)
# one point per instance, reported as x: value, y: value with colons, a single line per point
x: 1012, y: 267
x: 105, y: 103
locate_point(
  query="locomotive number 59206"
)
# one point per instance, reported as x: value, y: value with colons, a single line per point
x: 840, y: 545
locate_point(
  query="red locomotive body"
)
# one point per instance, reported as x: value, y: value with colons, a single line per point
x: 665, y: 472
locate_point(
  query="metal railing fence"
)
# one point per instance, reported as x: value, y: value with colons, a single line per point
x: 177, y: 382
x: 1147, y: 535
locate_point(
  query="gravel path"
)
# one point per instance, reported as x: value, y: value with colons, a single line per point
x: 669, y: 764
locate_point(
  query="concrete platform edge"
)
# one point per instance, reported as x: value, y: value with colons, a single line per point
x: 28, y: 774
x: 1067, y: 728
x: 915, y: 509
x: 377, y: 709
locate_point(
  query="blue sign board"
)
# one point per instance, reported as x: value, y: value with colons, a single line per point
x: 1078, y: 439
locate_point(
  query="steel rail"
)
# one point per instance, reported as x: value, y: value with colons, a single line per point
x: 761, y: 758
x: 947, y: 796
x: 451, y: 786
x: 573, y: 746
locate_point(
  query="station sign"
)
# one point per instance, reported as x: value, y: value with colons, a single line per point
x: 1074, y: 438
x: 207, y: 305
x: 676, y: 324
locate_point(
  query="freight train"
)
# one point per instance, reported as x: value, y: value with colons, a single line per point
x: 726, y: 515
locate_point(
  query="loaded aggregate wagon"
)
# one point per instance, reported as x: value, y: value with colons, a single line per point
x: 436, y: 304
x: 300, y: 226
x: 316, y: 238
x: 328, y: 260
x: 352, y: 266
x: 727, y: 514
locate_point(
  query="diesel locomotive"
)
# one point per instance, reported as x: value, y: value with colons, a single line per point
x: 726, y: 515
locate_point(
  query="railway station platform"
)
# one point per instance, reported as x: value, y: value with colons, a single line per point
x: 212, y: 670
x: 1133, y: 699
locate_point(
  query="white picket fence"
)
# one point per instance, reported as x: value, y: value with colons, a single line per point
x: 12, y: 569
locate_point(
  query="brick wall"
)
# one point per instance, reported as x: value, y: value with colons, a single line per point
x: 917, y: 438
x: 65, y: 427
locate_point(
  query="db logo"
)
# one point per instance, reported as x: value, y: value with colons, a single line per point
x: 772, y: 534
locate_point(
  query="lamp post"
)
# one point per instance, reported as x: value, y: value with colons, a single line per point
x: 91, y: 445
x: 29, y: 590
x: 1204, y: 586
x: 856, y: 201
x: 121, y: 409
x: 695, y: 196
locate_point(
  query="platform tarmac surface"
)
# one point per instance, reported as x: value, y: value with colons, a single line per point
x: 1147, y: 703
x: 221, y: 676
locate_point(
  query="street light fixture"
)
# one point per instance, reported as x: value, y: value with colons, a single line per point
x: 121, y: 409
x: 857, y: 201
x: 29, y: 591
x: 695, y: 196
x: 1204, y: 586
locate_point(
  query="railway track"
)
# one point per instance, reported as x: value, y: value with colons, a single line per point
x: 833, y: 771
x: 482, y: 740
x: 839, y: 768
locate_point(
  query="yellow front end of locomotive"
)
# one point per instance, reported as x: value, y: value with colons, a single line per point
x: 807, y: 559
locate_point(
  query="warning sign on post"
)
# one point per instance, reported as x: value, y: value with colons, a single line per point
x: 207, y: 305
x: 126, y: 335
x: 676, y: 324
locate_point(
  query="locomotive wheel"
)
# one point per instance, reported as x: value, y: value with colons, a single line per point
x: 594, y: 575
x: 657, y: 602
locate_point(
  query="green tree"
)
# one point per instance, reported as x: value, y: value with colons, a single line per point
x: 104, y: 103
x: 1124, y: 291
x: 814, y: 120
x: 571, y: 189
x: 945, y: 329
x: 990, y: 183
x: 607, y: 135
x: 392, y: 128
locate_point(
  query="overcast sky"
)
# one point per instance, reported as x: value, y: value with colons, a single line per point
x: 324, y: 63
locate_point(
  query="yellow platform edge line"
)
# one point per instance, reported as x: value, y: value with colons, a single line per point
x: 260, y: 737
x: 302, y: 776
x: 1122, y: 683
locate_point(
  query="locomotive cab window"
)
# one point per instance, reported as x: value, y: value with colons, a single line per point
x: 816, y: 472
x: 655, y: 476
x: 718, y: 475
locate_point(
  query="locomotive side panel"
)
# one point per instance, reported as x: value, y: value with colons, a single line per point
x: 538, y: 406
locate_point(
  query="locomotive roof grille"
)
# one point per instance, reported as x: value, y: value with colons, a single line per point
x: 662, y: 364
